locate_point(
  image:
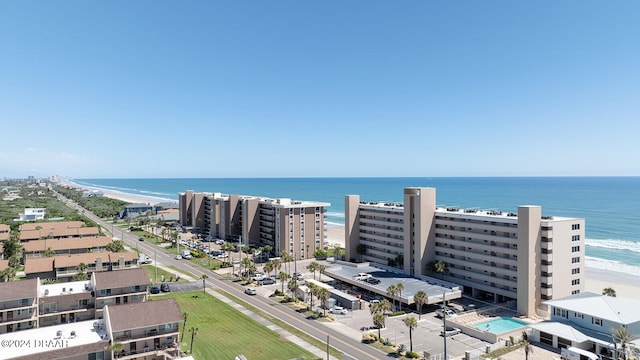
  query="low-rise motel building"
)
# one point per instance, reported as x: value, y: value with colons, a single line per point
x: 522, y: 259
x: 292, y: 226
x: 29, y: 303
x: 147, y: 330
x: 56, y: 230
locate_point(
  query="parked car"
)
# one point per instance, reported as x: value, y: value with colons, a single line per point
x: 141, y: 239
x: 250, y: 291
x: 219, y: 242
x: 164, y: 287
x: 338, y: 310
x: 363, y: 276
x: 373, y: 281
x: 178, y: 257
x: 267, y: 281
x: 155, y: 289
x: 257, y: 276
x: 446, y: 311
x: 450, y: 331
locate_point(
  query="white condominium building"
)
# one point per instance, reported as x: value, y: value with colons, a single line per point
x: 521, y: 257
x: 292, y: 226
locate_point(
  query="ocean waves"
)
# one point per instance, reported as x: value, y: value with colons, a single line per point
x: 612, y: 265
x: 613, y: 244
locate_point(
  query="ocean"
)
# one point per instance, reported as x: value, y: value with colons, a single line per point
x: 609, y: 205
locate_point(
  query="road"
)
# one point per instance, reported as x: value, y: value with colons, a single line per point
x: 353, y: 348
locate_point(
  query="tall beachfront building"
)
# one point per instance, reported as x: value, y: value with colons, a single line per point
x: 292, y: 226
x: 502, y: 257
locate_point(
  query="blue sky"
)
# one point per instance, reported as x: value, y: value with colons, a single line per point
x: 319, y: 88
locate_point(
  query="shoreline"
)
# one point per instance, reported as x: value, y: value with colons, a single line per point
x: 625, y: 284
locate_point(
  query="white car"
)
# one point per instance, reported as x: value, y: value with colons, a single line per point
x: 338, y: 310
x: 363, y: 276
x: 178, y: 257
x: 446, y: 311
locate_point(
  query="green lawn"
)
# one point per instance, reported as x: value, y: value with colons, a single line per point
x: 152, y: 274
x: 224, y: 333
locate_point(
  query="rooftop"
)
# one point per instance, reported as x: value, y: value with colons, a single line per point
x: 615, y: 309
x: 15, y: 290
x: 72, y: 287
x: 144, y: 314
x: 66, y: 243
x: 434, y: 288
x: 121, y: 278
x: 53, y: 342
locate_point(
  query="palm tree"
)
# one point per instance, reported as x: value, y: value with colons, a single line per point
x: 277, y: 264
x: 337, y: 253
x: 184, y: 324
x: 411, y: 323
x: 313, y: 267
x: 292, y: 286
x: 441, y: 267
x: 622, y: 337
x: 286, y: 258
x: 246, y: 263
x: 361, y: 249
x: 227, y: 246
x: 313, y: 290
x: 385, y: 305
x: 115, y: 348
x: 282, y: 276
x: 399, y: 288
x: 194, y: 332
x: 527, y: 349
x: 323, y: 296
x: 392, y: 290
x: 420, y: 298
x: 267, y: 251
x: 49, y: 252
x: 378, y: 321
x: 204, y: 278
x: 321, y: 269
x: 609, y: 292
x: 268, y: 267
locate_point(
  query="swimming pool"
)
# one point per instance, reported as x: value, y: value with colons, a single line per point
x: 500, y: 325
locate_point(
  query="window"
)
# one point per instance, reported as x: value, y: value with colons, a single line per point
x: 575, y: 260
x: 24, y: 302
x: 578, y: 315
x: 575, y: 248
x: 575, y: 238
x: 575, y: 271
x: 596, y: 321
x: 574, y: 292
x: 575, y: 227
x: 575, y: 282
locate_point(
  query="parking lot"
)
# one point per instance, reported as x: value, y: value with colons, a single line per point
x: 355, y: 323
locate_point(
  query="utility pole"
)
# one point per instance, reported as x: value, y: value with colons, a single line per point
x: 327, y: 347
x: 444, y: 324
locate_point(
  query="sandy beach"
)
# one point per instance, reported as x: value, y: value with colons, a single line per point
x: 625, y: 285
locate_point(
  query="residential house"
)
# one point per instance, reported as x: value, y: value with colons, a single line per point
x: 145, y: 329
x: 135, y: 210
x: 586, y: 321
x: 32, y: 214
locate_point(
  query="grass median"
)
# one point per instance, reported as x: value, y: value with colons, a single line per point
x: 224, y: 333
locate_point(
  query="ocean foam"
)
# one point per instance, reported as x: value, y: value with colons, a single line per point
x: 611, y: 265
x: 626, y: 245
